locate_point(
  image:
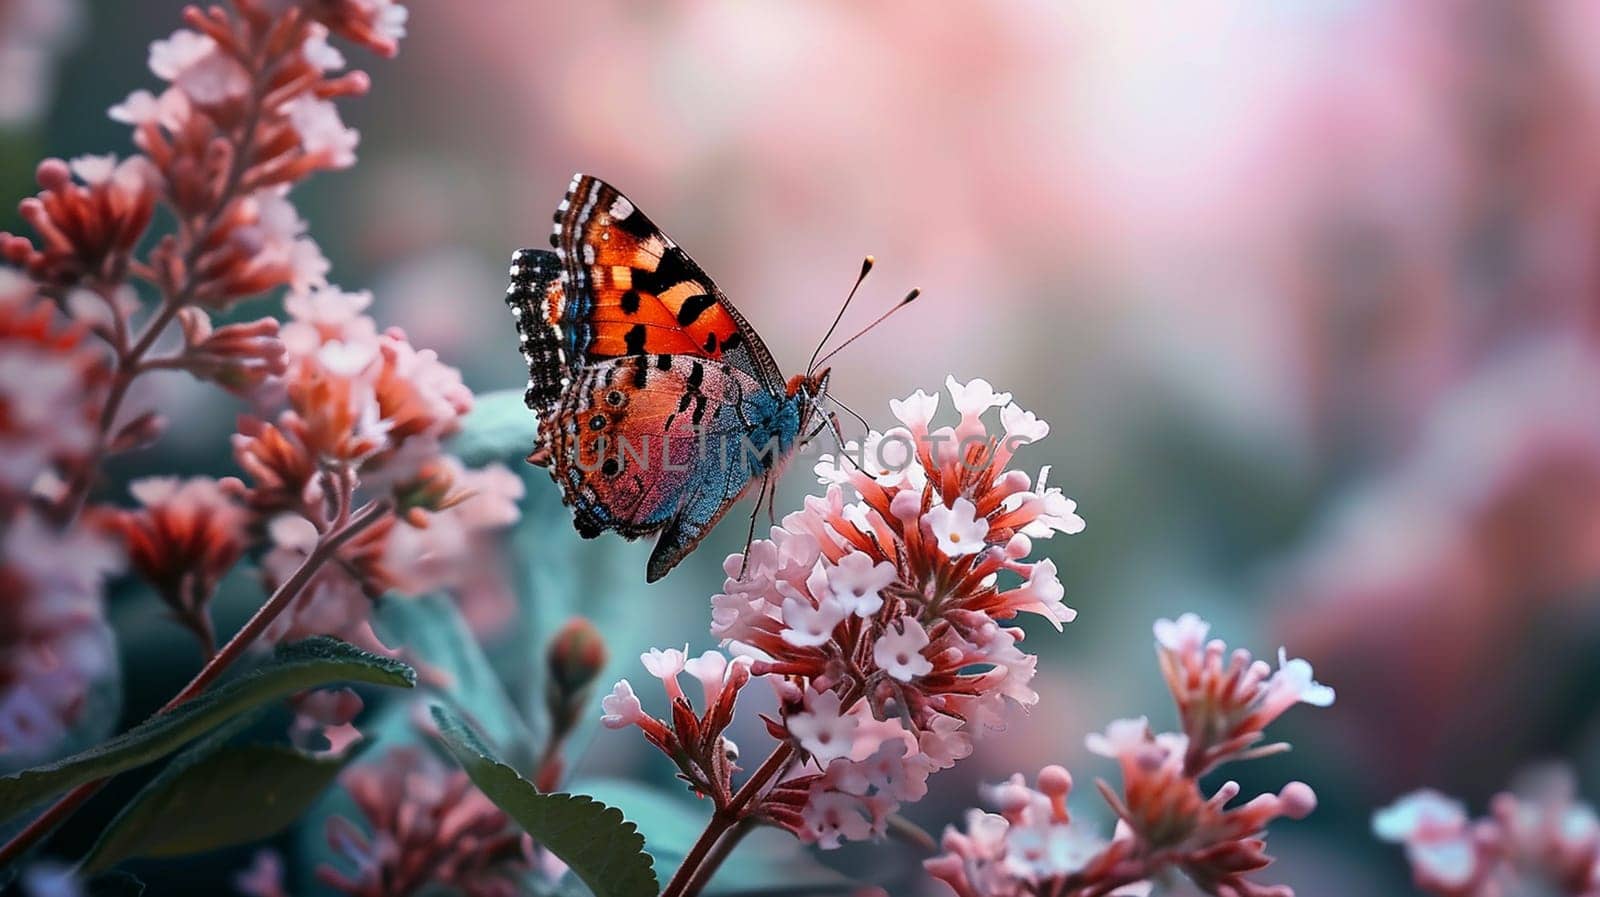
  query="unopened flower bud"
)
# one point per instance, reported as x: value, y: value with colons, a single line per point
x: 575, y: 657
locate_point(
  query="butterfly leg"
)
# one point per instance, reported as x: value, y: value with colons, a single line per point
x: 814, y: 434
x: 750, y: 537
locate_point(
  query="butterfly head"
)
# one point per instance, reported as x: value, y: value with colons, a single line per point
x: 810, y: 389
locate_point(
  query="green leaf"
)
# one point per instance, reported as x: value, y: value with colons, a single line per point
x: 594, y: 840
x: 312, y: 663
x: 214, y: 796
x: 435, y: 636
x: 767, y: 862
x: 498, y: 428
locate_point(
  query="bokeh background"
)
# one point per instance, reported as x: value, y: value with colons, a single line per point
x: 1306, y: 288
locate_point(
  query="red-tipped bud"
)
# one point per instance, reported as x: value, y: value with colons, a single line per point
x: 576, y: 655
x: 574, y: 658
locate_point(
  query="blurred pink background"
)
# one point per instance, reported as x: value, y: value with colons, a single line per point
x: 1307, y: 289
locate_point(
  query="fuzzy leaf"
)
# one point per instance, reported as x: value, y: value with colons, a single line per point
x: 211, y: 797
x: 767, y: 862
x: 594, y: 840
x: 498, y: 428
x: 312, y: 663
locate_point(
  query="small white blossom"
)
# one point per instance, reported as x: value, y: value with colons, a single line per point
x: 821, y: 729
x: 957, y: 528
x: 1294, y: 677
x: 974, y: 398
x: 622, y: 707
x: 1121, y: 737
x: 808, y: 626
x: 322, y: 131
x: 915, y: 410
x: 664, y: 664
x: 1022, y: 427
x: 858, y: 583
x: 1185, y: 635
x: 899, y: 653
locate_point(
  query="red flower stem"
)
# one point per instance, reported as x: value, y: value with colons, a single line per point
x: 703, y: 859
x: 129, y: 364
x: 127, y: 369
x: 719, y: 854
x: 323, y: 551
x: 281, y: 599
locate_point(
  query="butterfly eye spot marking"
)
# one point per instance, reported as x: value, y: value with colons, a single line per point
x: 611, y: 467
x: 598, y: 422
x: 615, y: 398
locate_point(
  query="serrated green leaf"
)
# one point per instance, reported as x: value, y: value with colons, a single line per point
x: 213, y: 797
x: 312, y: 663
x: 767, y: 862
x: 498, y: 428
x: 602, y: 848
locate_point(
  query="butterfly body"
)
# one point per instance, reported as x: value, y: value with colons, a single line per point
x: 659, y: 406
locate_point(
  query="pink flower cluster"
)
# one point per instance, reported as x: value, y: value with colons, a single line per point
x: 1537, y: 838
x: 365, y: 412
x: 345, y: 411
x: 54, y: 641
x: 1488, y: 525
x: 1032, y: 847
x: 183, y: 539
x: 878, y: 619
x: 429, y: 827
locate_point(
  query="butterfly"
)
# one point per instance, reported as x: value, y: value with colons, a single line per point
x: 659, y: 406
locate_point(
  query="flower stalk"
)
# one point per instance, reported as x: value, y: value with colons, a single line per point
x: 281, y: 599
x: 877, y: 619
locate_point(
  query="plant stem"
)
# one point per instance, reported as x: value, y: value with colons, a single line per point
x: 281, y: 599
x: 127, y: 370
x: 718, y: 855
x: 698, y: 865
x: 129, y: 363
x: 707, y: 854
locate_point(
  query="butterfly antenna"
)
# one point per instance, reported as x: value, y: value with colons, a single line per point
x: 850, y: 411
x: 910, y: 298
x: 866, y: 266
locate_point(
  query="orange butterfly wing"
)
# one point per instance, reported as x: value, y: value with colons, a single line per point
x: 628, y: 289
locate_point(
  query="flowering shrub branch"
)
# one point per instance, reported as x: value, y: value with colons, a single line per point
x: 344, y: 471
x: 1033, y: 846
x: 877, y: 620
